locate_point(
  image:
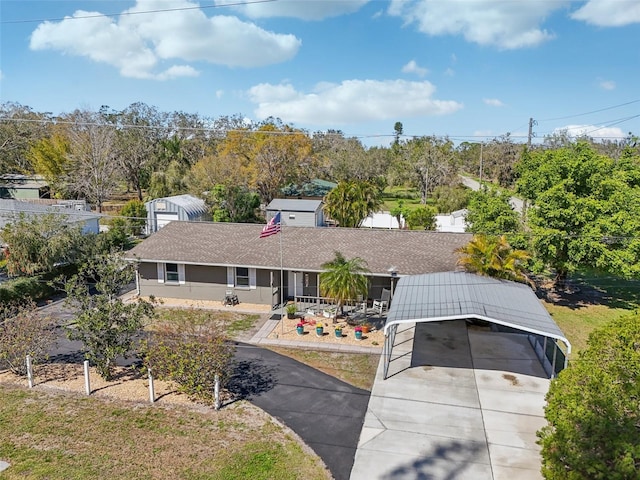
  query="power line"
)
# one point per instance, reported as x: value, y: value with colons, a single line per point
x: 589, y: 113
x: 122, y: 14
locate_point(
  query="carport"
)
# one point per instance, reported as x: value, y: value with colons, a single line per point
x: 507, y: 305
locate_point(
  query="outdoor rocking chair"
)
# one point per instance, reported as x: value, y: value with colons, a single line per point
x: 381, y: 304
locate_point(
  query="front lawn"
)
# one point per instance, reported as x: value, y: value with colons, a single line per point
x: 64, y: 436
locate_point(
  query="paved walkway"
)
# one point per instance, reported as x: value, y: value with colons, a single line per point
x: 458, y: 405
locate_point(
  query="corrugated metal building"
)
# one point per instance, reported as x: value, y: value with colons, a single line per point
x: 186, y: 208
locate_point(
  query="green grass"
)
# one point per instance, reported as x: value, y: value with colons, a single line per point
x: 232, y: 323
x: 598, y: 300
x: 61, y: 436
x: 357, y: 369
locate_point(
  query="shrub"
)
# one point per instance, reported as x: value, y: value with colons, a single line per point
x: 190, y: 351
x: 23, y: 331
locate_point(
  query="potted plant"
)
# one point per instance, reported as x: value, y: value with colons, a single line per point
x: 291, y: 310
x: 338, y: 331
x: 358, y: 332
x: 365, y: 328
x: 300, y: 328
x: 319, y: 329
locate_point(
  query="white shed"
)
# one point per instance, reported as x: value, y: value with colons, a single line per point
x: 186, y: 208
x: 297, y: 212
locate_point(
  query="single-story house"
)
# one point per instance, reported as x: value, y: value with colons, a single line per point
x: 297, y: 212
x: 10, y: 209
x: 206, y: 261
x: 20, y: 187
x: 161, y: 211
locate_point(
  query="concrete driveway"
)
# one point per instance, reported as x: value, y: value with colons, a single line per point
x: 459, y: 404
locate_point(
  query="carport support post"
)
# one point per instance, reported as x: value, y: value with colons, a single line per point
x: 29, y: 372
x: 87, y: 383
x: 553, y: 364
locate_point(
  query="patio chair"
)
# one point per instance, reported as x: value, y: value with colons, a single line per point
x: 381, y: 304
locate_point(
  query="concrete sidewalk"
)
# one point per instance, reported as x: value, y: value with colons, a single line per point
x: 458, y: 404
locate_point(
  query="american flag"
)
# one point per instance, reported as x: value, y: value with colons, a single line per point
x: 272, y: 227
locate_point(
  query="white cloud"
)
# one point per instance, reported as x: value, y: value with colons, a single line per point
x: 608, y: 85
x: 608, y: 13
x: 412, y: 67
x: 140, y: 45
x: 506, y: 25
x: 350, y: 101
x: 219, y: 94
x: 493, y: 102
x: 303, y: 9
x: 592, y: 131
x: 449, y: 72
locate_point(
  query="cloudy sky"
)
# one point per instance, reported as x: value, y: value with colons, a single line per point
x: 469, y: 69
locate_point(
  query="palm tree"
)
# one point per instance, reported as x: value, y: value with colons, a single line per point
x: 343, y: 279
x: 492, y: 256
x: 349, y: 203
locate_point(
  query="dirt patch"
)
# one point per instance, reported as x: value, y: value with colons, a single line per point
x: 286, y: 330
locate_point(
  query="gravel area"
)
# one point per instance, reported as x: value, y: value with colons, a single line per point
x: 286, y: 329
x: 127, y: 384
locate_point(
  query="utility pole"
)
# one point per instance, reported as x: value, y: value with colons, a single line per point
x: 532, y: 122
x: 481, y: 145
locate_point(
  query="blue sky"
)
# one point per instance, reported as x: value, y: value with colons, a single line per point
x: 469, y: 69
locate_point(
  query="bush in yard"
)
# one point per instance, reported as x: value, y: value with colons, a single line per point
x: 189, y: 350
x: 593, y: 409
x: 23, y: 331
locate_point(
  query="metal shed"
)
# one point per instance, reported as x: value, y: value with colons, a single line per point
x: 297, y: 212
x: 186, y: 208
x: 464, y: 296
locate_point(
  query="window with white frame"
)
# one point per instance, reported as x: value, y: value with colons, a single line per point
x: 171, y: 274
x: 242, y: 277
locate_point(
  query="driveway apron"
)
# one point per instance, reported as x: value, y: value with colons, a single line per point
x: 325, y: 412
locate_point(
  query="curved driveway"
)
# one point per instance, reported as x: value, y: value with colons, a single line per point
x: 325, y: 412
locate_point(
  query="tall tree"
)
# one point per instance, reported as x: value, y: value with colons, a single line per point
x: 490, y: 212
x: 351, y: 202
x: 343, y: 280
x: 50, y: 158
x: 20, y: 127
x: 593, y: 409
x: 93, y: 165
x: 104, y: 323
x: 426, y: 163
x: 267, y: 159
x: 586, y: 209
x: 141, y: 129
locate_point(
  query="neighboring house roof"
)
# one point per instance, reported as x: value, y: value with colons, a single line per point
x: 306, y: 248
x: 192, y: 205
x: 294, y: 205
x: 461, y: 295
x: 13, y: 180
x: 9, y: 208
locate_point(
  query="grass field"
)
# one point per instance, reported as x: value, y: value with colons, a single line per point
x: 598, y: 300
x: 357, y: 369
x: 61, y: 436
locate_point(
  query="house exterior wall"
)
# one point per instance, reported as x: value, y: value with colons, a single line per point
x: 203, y: 282
x: 298, y: 219
x: 206, y: 283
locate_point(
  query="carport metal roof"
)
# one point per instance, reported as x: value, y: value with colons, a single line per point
x: 460, y: 295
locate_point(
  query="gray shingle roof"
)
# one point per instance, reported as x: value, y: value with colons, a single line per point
x: 449, y: 295
x: 9, y: 208
x: 305, y: 248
